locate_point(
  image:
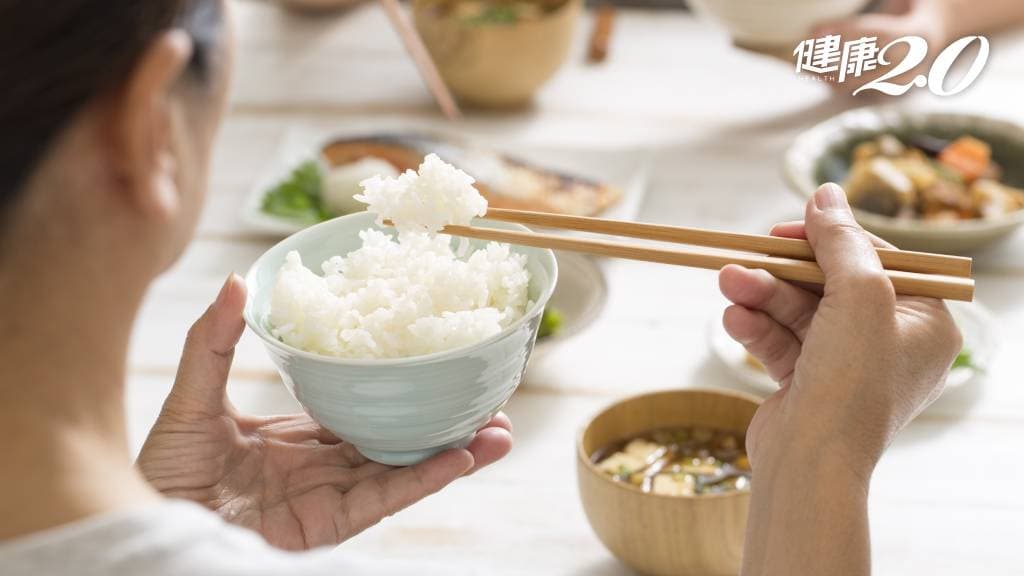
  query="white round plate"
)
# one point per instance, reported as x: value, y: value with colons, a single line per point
x: 975, y: 322
x: 579, y: 296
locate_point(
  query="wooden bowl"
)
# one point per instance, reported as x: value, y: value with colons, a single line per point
x: 665, y: 535
x: 315, y: 6
x: 496, y: 64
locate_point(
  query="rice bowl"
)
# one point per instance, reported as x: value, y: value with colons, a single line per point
x: 399, y: 411
x: 400, y: 400
x: 409, y: 294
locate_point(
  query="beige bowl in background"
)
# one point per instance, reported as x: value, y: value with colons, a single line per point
x: 774, y: 24
x: 313, y: 6
x: 495, y: 64
x: 665, y: 535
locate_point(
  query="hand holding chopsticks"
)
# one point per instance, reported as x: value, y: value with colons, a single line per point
x: 911, y: 273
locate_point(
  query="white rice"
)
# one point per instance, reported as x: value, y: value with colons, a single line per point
x: 438, y: 195
x: 406, y: 297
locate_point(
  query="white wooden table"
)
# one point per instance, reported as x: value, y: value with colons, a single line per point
x: 946, y: 498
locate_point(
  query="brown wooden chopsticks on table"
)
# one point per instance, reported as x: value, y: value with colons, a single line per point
x: 911, y: 273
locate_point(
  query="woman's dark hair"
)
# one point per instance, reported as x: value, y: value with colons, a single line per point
x: 57, y: 56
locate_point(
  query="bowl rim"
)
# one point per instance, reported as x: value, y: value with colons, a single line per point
x: 268, y: 338
x: 591, y: 315
x: 583, y: 458
x: 419, y: 10
x: 796, y: 170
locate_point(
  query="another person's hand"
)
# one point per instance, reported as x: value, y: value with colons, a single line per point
x: 284, y: 476
x: 896, y: 19
x: 855, y: 364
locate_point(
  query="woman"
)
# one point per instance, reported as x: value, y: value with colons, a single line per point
x: 109, y: 115
x: 109, y: 111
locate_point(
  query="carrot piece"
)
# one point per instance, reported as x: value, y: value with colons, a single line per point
x: 969, y: 156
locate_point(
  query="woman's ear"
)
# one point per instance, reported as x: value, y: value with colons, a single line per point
x: 142, y: 123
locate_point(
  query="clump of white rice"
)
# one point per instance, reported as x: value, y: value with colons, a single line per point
x: 427, y: 201
x: 409, y: 296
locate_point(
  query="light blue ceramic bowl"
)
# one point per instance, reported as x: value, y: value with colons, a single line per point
x: 398, y: 411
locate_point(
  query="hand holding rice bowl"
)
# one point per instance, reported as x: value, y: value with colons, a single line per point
x: 400, y: 400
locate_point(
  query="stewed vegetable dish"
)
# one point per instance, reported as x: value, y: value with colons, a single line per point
x: 930, y: 179
x: 679, y: 462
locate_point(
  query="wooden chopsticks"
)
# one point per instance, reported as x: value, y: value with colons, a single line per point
x: 771, y: 245
x: 424, y: 62
x: 911, y: 273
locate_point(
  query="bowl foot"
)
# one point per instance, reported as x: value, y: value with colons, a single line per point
x: 410, y: 457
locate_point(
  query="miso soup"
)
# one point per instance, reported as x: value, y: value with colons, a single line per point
x: 685, y: 461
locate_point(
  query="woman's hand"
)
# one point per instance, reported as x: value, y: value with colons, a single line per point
x: 855, y: 363
x: 283, y: 476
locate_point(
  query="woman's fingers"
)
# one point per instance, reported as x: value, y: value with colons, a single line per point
x: 793, y: 229
x: 490, y: 445
x: 388, y: 490
x: 853, y: 273
x: 500, y: 420
x: 380, y: 496
x: 797, y: 229
x: 198, y: 390
x: 767, y: 340
x: 787, y: 304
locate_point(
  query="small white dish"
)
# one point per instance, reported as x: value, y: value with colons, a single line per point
x: 579, y: 297
x: 975, y: 322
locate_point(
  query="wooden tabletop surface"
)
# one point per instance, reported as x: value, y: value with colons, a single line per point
x: 712, y: 122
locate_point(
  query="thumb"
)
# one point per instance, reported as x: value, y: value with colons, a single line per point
x: 199, y: 388
x: 844, y: 250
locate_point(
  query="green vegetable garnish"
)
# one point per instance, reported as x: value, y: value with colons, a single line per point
x: 964, y: 360
x: 494, y: 15
x: 298, y: 197
x: 947, y: 173
x: 550, y: 323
